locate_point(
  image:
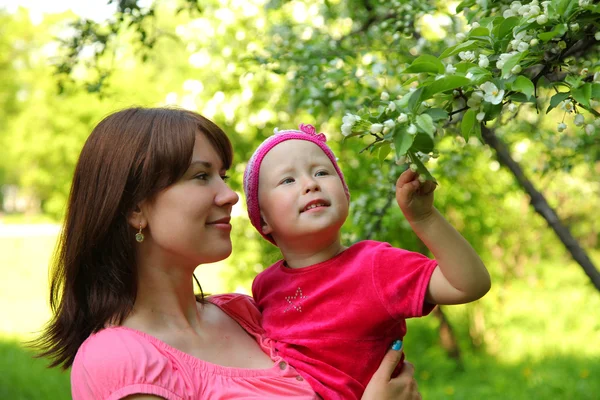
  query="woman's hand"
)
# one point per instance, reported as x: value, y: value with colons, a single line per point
x: 402, y: 387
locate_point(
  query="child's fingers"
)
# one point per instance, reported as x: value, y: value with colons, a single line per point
x: 406, y: 177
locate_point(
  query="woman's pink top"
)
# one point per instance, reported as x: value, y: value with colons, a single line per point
x: 118, y: 361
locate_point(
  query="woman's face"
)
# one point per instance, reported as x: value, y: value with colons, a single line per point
x: 189, y: 222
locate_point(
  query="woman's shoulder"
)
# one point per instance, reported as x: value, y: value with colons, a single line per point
x: 242, y: 309
x: 120, y: 360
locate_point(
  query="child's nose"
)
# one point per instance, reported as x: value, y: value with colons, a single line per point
x: 312, y: 186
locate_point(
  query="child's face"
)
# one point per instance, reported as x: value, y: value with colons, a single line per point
x: 300, y: 194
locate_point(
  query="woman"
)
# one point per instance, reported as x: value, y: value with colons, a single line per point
x: 148, y: 204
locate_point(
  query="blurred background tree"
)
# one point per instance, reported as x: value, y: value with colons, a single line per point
x: 252, y: 66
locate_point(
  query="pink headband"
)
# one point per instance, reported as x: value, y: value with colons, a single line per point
x: 306, y: 132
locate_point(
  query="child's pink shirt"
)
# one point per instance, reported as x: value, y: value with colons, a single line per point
x: 117, y: 362
x: 334, y: 321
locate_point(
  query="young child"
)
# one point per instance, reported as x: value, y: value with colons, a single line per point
x: 332, y: 310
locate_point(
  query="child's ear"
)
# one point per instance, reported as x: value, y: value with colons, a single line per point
x: 265, y: 227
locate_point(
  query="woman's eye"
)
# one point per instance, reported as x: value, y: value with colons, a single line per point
x: 225, y: 178
x: 201, y: 177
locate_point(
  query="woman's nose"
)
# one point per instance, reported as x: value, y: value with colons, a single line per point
x: 227, y: 196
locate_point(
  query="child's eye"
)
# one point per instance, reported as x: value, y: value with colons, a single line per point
x: 322, y: 173
x: 286, y: 181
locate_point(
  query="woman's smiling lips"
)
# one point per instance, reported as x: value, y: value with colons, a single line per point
x: 222, y: 223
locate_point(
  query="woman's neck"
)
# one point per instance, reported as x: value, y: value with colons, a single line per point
x: 165, y: 300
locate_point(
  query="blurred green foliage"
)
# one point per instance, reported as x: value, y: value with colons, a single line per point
x: 252, y: 66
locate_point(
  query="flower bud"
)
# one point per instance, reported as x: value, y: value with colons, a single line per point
x: 385, y: 96
x: 376, y: 128
x: 413, y: 167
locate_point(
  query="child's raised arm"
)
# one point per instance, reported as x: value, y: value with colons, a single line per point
x: 460, y: 276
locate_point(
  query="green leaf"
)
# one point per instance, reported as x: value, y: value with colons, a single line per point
x: 426, y: 63
x: 384, y: 150
x: 415, y: 99
x: 438, y: 114
x: 558, y: 30
x: 463, y: 4
x: 441, y: 85
x: 480, y: 75
x: 595, y: 90
x: 450, y: 51
x: 506, y: 27
x: 556, y: 99
x: 479, y: 31
x: 512, y: 61
x: 402, y: 140
x: 468, y: 123
x: 583, y: 94
x: 421, y: 169
x: 523, y: 85
x: 423, y: 143
x: 425, y: 124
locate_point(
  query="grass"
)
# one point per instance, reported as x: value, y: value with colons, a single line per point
x: 540, y: 336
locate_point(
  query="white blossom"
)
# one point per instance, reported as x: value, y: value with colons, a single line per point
x: 579, y: 120
x: 512, y: 107
x: 542, y: 19
x: 450, y: 69
x: 385, y: 96
x: 391, y: 107
x: 516, y: 69
x: 567, y: 105
x: 584, y: 3
x: 484, y: 62
x: 346, y: 129
x: 491, y: 93
x: 480, y: 116
x: 468, y: 56
x: 574, y: 27
x: 590, y: 129
x: 376, y: 128
x: 597, y: 35
x: 422, y: 178
x: 460, y: 37
x: 475, y: 99
x: 402, y: 118
x: 413, y: 167
x: 561, y: 127
x: 522, y: 47
x: 389, y: 124
x: 350, y: 119
x: 412, y: 129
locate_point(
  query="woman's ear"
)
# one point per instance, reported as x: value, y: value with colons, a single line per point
x: 137, y: 219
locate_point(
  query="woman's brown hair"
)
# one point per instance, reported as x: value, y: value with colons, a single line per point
x: 130, y: 156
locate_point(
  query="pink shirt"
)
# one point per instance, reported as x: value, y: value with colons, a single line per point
x: 334, y: 321
x: 117, y: 362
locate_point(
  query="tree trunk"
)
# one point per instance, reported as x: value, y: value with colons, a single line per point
x: 541, y: 206
x: 447, y: 337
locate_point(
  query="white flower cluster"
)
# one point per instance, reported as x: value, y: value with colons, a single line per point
x: 532, y: 11
x: 348, y: 122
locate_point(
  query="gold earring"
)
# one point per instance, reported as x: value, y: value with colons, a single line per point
x: 139, y: 237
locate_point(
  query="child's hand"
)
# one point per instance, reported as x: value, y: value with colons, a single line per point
x: 414, y: 198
